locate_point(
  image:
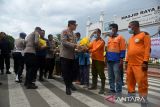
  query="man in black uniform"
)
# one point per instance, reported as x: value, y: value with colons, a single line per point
x: 5, y: 53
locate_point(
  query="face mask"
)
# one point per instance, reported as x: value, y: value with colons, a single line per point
x: 107, y: 33
x: 111, y: 33
x: 130, y: 31
x: 95, y: 36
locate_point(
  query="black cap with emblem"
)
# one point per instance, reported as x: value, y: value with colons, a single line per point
x: 72, y: 22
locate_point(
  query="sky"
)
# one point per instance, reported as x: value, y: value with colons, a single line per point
x: 52, y: 15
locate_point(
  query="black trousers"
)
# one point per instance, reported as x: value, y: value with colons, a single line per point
x: 50, y: 63
x: 76, y: 70
x: 4, y: 58
x: 40, y: 65
x: 58, y: 66
x: 67, y: 71
x: 30, y: 61
x: 18, y: 63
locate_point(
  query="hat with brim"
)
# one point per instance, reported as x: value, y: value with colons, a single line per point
x: 72, y: 22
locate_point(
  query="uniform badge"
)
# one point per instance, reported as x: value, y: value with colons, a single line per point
x: 137, y: 40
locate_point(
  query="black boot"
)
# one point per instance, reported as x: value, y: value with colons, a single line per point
x: 93, y: 87
x: 68, y: 91
x: 41, y: 80
x: 31, y: 86
x: 94, y: 84
x: 102, y: 90
x: 144, y: 102
x: 50, y: 77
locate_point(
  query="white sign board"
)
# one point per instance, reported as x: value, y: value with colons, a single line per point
x: 145, y: 17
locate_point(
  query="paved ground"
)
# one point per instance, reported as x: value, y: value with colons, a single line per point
x: 52, y: 94
x: 154, y: 72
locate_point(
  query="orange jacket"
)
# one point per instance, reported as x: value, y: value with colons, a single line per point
x: 97, y: 49
x: 138, y: 48
x: 116, y: 48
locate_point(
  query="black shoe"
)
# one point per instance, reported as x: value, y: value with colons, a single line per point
x: 41, y: 80
x: 68, y: 91
x: 19, y: 81
x: 144, y: 102
x: 92, y: 88
x: 81, y: 83
x: 8, y: 72
x: 31, y: 86
x: 21, y: 77
x: 25, y: 84
x: 73, y: 88
x: 51, y: 77
x: 0, y: 83
x: 101, y: 91
x: 34, y: 80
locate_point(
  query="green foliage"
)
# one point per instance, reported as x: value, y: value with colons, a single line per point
x: 57, y: 38
x: 11, y: 41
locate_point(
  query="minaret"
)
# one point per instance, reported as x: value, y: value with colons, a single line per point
x: 101, y: 20
x: 88, y: 25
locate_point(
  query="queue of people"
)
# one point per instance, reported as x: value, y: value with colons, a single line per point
x: 33, y: 51
x: 38, y: 54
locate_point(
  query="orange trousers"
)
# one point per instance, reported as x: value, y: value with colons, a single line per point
x: 135, y: 74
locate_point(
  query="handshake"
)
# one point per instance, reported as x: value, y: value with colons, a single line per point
x: 81, y: 48
x: 83, y: 45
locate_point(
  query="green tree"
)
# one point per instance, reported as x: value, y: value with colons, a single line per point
x: 57, y: 38
x: 11, y: 41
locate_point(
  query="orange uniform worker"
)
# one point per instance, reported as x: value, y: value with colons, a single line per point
x: 96, y: 48
x: 137, y: 60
